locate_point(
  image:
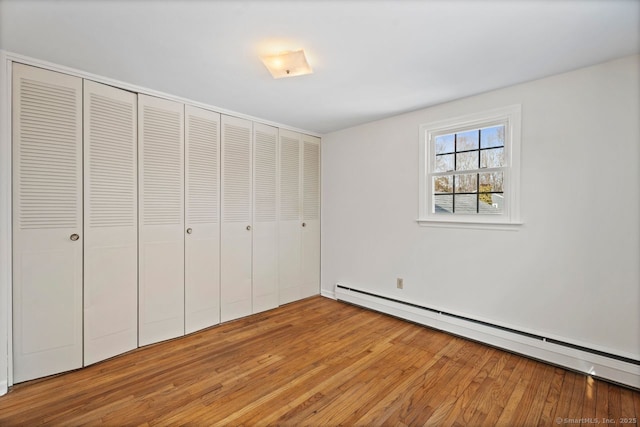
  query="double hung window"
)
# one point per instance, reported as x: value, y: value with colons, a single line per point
x: 470, y: 169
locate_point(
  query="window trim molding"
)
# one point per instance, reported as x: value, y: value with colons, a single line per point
x: 511, y: 116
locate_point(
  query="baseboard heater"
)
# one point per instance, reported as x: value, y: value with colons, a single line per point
x: 606, y: 365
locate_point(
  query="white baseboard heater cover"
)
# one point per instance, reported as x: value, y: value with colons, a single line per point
x: 608, y: 366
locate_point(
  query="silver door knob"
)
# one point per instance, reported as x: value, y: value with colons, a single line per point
x: 189, y: 231
x: 74, y: 237
x: 248, y: 228
x: 304, y: 224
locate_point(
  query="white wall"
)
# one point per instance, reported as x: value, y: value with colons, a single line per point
x: 571, y: 271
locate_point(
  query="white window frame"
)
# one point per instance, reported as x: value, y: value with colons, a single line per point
x: 510, y: 218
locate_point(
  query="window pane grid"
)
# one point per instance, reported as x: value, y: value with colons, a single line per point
x: 490, y: 148
x: 478, y: 189
x: 484, y: 202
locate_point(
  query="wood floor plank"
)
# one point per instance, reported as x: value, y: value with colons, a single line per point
x: 534, y: 399
x: 418, y: 403
x: 460, y: 397
x: 636, y: 405
x: 502, y: 390
x: 355, y: 396
x: 551, y: 400
x: 589, y: 406
x: 509, y: 411
x: 396, y: 396
x: 615, y: 405
x: 316, y: 362
x: 356, y: 371
x: 562, y: 409
x: 577, y: 397
x: 627, y: 407
x: 486, y: 376
x: 602, y: 400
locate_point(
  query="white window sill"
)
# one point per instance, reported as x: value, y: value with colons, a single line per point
x: 443, y: 223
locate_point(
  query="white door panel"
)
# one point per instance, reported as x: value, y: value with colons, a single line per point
x: 47, y: 211
x: 235, y: 232
x: 104, y: 317
x: 111, y: 217
x: 265, y: 229
x: 289, y: 271
x: 265, y: 266
x: 289, y: 226
x: 235, y: 266
x: 202, y: 277
x: 161, y: 219
x: 310, y: 238
x: 202, y: 241
x: 46, y: 305
x: 161, y: 301
x: 310, y: 258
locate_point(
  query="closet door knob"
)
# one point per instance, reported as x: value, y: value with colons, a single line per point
x: 248, y: 228
x: 189, y: 231
x: 74, y: 237
x: 304, y: 224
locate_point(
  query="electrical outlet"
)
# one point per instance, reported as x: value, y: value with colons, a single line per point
x: 400, y: 283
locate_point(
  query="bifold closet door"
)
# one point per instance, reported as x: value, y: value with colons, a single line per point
x: 202, y: 235
x: 47, y: 222
x: 265, y: 225
x: 235, y: 232
x: 310, y: 238
x: 290, y: 218
x: 111, y: 218
x: 161, y: 219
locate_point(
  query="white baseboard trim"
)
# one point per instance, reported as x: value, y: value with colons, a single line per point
x: 597, y: 365
x: 3, y: 388
x: 327, y: 294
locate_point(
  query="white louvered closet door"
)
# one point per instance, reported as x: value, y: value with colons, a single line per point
x: 202, y: 238
x: 290, y: 224
x: 161, y: 219
x: 310, y: 240
x: 47, y: 222
x: 235, y: 233
x: 265, y: 224
x: 111, y: 218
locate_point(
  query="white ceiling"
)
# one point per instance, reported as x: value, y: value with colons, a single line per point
x: 371, y: 59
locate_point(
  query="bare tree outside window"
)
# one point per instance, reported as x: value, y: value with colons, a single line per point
x: 465, y: 154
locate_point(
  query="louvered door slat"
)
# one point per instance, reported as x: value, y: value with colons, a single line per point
x: 237, y: 173
x: 202, y: 173
x: 289, y: 178
x: 202, y: 243
x: 163, y: 166
x: 161, y: 219
x: 265, y: 173
x: 47, y: 211
x: 311, y: 185
x: 310, y: 239
x: 111, y: 233
x: 289, y: 224
x: 48, y: 153
x: 265, y: 230
x: 235, y: 232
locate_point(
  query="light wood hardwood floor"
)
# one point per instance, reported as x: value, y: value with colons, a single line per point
x: 319, y: 362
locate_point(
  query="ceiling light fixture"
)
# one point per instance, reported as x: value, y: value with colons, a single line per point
x: 287, y: 64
